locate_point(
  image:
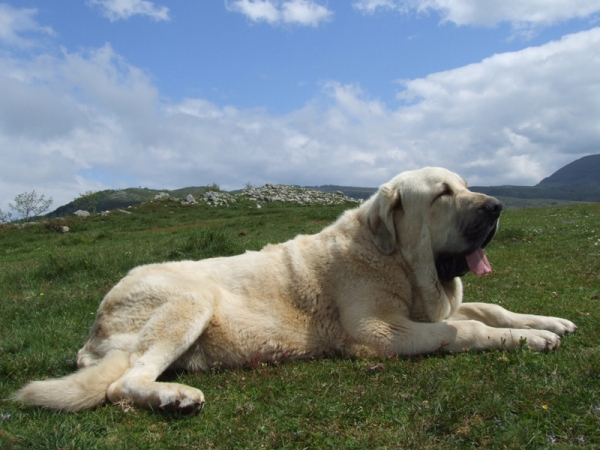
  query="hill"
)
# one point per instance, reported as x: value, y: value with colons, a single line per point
x: 582, y: 171
x: 578, y: 181
x: 122, y: 198
x: 269, y: 193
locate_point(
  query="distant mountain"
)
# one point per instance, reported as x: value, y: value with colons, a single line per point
x: 582, y: 171
x: 578, y: 181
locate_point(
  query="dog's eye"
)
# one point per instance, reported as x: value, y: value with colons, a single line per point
x: 446, y: 191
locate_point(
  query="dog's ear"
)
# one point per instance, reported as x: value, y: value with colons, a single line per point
x: 380, y: 218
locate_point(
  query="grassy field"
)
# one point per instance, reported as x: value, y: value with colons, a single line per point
x: 546, y: 261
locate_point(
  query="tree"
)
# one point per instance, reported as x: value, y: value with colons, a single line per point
x: 88, y: 201
x: 5, y: 216
x: 29, y: 205
x: 214, y: 187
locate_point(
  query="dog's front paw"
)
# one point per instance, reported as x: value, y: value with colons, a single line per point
x: 559, y: 326
x: 539, y: 340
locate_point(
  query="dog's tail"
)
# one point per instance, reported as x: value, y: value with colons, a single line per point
x: 84, y: 389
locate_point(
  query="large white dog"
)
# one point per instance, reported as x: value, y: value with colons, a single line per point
x: 382, y: 280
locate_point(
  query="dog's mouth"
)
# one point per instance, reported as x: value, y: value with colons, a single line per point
x: 451, y: 266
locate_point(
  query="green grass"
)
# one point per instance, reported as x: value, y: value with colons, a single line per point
x: 546, y: 261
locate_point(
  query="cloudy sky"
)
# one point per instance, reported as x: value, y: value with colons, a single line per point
x: 98, y: 94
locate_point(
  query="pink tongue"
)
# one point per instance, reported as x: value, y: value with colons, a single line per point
x: 478, y: 263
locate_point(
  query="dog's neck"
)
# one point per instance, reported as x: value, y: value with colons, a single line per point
x: 434, y: 298
x: 435, y: 305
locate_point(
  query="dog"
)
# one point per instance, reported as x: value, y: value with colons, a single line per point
x: 383, y: 280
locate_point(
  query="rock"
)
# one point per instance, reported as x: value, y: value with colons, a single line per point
x: 218, y: 198
x: 62, y: 229
x: 190, y: 199
x: 123, y: 211
x: 81, y: 213
x: 162, y: 196
x: 209, y: 196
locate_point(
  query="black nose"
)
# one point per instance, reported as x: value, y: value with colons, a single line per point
x: 493, y: 207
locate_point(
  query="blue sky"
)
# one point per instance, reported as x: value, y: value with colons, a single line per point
x: 103, y: 94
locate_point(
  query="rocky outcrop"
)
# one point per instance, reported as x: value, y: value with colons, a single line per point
x: 293, y: 194
x: 269, y: 193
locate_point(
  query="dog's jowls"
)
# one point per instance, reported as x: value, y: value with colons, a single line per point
x: 382, y: 280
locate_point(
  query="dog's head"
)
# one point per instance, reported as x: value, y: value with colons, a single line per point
x: 430, y: 216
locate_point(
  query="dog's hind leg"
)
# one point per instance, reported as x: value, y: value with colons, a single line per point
x: 172, y: 329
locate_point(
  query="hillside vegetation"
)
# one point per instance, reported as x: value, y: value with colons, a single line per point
x: 545, y: 261
x: 111, y: 199
x: 213, y: 196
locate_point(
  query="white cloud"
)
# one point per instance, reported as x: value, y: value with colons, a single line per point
x: 371, y: 6
x: 274, y: 12
x: 304, y: 12
x: 123, y: 9
x: 16, y: 22
x: 257, y: 10
x: 91, y: 120
x: 523, y: 15
x: 537, y: 105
